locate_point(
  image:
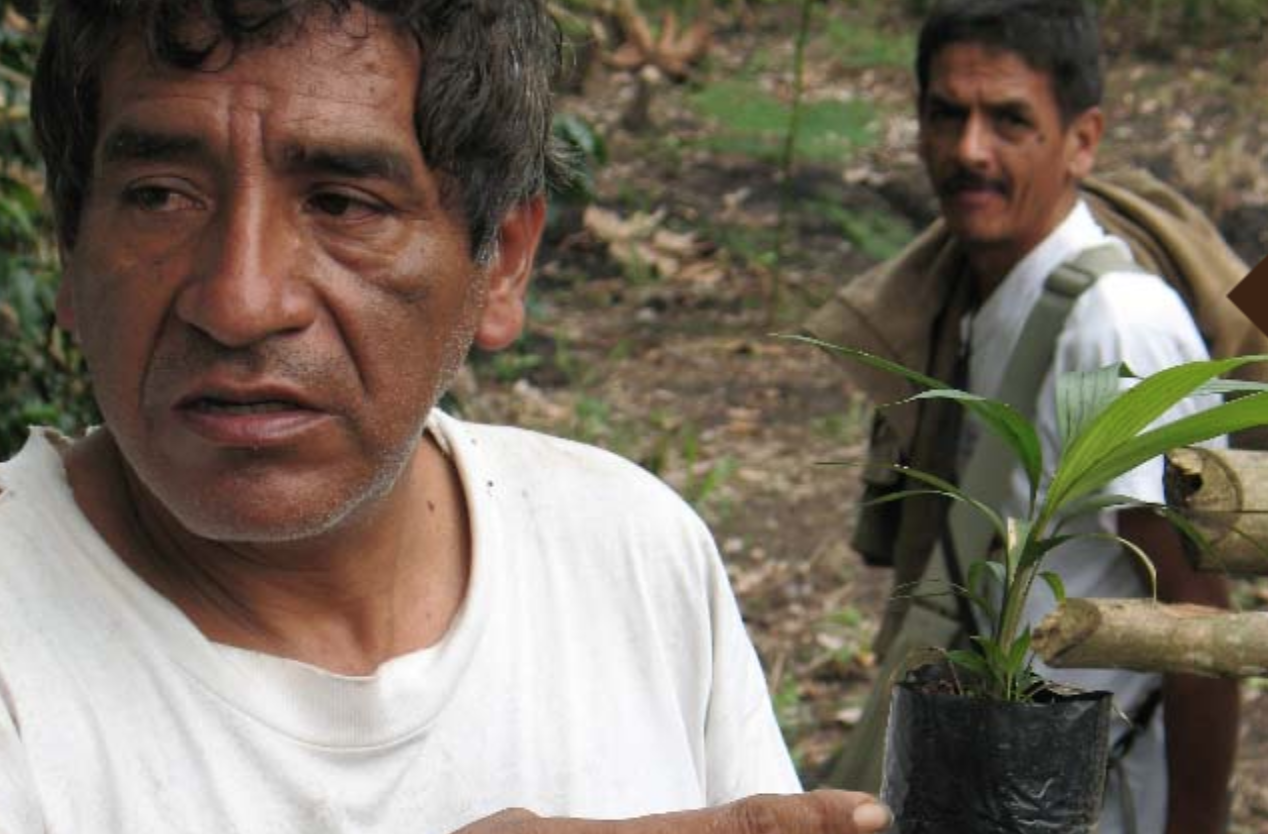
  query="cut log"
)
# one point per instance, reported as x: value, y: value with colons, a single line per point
x: 1148, y: 636
x: 1224, y: 494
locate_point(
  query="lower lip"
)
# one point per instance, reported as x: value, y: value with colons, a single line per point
x: 253, y: 431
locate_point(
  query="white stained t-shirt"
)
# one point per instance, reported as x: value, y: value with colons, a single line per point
x: 1129, y: 317
x: 598, y: 667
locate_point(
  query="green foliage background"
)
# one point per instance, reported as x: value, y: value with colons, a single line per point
x: 41, y: 374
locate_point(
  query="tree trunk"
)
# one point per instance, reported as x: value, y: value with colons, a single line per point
x: 1148, y: 636
x: 1224, y: 495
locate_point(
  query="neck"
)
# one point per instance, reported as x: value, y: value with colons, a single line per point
x: 384, y: 583
x: 990, y: 263
x: 989, y: 268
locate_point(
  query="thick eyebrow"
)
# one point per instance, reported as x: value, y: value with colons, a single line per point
x: 133, y: 144
x: 932, y: 99
x: 352, y: 161
x: 1016, y: 106
x: 129, y: 143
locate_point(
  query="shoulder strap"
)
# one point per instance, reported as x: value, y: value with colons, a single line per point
x: 1033, y: 354
x: 970, y: 534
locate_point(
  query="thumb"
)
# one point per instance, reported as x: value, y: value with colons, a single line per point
x: 818, y: 812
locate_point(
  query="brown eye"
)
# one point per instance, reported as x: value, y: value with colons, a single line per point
x: 156, y: 198
x: 943, y: 113
x: 1012, y: 123
x: 343, y: 206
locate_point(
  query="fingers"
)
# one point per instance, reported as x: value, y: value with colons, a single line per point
x: 871, y: 816
x: 509, y: 821
x: 819, y: 812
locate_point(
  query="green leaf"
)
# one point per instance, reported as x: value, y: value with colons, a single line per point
x: 979, y: 601
x: 1046, y: 545
x: 1134, y: 550
x: 1006, y: 423
x: 1095, y: 503
x: 915, y: 377
x: 1242, y: 413
x: 1190, y: 531
x: 986, y: 569
x: 969, y: 660
x: 995, y: 659
x: 1225, y: 387
x: 1082, y: 396
x: 902, y: 495
x: 906, y: 590
x: 1126, y: 416
x: 1017, y: 652
x: 1029, y: 685
x: 955, y: 492
x: 1055, y: 583
x: 579, y: 133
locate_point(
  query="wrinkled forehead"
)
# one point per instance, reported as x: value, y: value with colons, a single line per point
x: 988, y: 63
x: 368, y: 50
x: 343, y: 75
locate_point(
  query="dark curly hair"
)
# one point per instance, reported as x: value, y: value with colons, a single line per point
x: 1057, y: 37
x: 482, y: 116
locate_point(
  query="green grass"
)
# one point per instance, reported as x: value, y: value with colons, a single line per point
x: 750, y: 121
x: 743, y: 245
x: 864, y: 46
x: 877, y: 234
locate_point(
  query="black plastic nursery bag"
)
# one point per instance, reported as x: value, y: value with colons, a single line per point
x: 975, y: 766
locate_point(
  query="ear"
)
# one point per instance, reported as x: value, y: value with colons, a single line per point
x: 502, y: 319
x: 1083, y: 137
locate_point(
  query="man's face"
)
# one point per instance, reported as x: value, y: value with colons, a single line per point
x: 266, y: 285
x: 1003, y: 165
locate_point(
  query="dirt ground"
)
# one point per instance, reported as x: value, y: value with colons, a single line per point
x: 672, y: 363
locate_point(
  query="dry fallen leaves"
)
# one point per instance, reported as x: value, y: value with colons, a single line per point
x: 673, y: 50
x: 639, y: 242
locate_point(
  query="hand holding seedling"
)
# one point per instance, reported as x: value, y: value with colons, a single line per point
x: 819, y: 812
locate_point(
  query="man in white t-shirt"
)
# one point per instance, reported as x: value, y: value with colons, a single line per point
x: 276, y: 590
x: 1009, y: 116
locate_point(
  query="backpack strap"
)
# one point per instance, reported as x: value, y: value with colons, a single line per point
x: 970, y: 533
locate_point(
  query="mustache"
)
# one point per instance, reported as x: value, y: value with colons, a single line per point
x: 967, y: 180
x: 195, y: 354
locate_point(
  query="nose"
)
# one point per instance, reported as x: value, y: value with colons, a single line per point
x: 246, y: 285
x: 973, y: 144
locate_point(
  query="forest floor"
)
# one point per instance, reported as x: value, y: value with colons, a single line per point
x: 651, y: 317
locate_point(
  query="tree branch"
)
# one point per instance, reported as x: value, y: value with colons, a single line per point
x: 1148, y: 636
